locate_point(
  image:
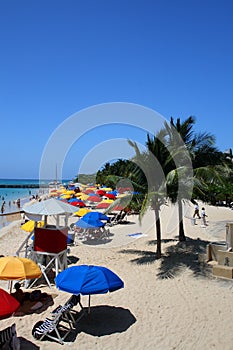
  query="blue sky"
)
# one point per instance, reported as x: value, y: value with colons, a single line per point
x: 60, y: 57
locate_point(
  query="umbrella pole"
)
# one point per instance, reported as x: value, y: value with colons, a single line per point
x: 11, y: 282
x: 89, y: 305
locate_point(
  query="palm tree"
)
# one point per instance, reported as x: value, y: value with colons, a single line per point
x: 154, y: 167
x: 204, y: 158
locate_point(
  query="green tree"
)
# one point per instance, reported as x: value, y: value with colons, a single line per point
x: 205, y: 159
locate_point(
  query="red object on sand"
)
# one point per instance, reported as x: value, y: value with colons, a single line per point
x: 8, y: 304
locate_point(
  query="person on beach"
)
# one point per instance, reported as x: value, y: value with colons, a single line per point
x: 18, y: 203
x: 18, y: 294
x: 3, y: 207
x: 203, y: 217
x: 196, y: 211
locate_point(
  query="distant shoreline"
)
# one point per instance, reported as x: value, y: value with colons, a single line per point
x: 23, y: 185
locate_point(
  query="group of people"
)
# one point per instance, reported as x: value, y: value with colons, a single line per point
x: 203, y: 215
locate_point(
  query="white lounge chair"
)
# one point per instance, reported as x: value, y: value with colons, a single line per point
x: 61, y: 322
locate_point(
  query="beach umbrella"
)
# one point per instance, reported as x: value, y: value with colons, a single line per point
x: 82, y: 212
x: 88, y: 191
x: 118, y: 208
x: 102, y: 205
x: 72, y: 200
x: 8, y: 304
x: 30, y: 225
x: 95, y: 215
x: 50, y: 206
x: 65, y: 196
x: 70, y: 192
x: 88, y: 280
x: 83, y: 196
x: 109, y: 201
x: 81, y: 205
x: 100, y: 192
x: 94, y: 199
x: 53, y: 194
x: 16, y: 268
x: 91, y: 224
x: 113, y: 192
x: 110, y: 195
x: 75, y: 203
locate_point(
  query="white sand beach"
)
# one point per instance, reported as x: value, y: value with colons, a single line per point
x: 171, y: 303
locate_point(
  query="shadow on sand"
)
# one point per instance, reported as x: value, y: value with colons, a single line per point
x: 191, y: 254
x: 27, y: 344
x: 103, y: 320
x: 106, y: 320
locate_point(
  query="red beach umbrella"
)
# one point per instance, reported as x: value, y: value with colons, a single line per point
x: 118, y: 208
x: 102, y: 205
x: 88, y: 191
x: 81, y: 204
x: 8, y: 304
x: 110, y: 195
x: 94, y: 199
x: 75, y: 203
x: 101, y: 192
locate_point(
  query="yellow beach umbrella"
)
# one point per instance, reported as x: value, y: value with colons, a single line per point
x: 106, y: 189
x: 78, y: 194
x: 29, y: 225
x: 107, y: 201
x: 70, y: 192
x: 65, y: 196
x: 82, y: 211
x: 16, y: 268
x: 53, y: 194
x: 83, y: 196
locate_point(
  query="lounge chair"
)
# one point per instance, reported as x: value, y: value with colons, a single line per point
x: 61, y: 322
x: 9, y: 339
x: 118, y: 218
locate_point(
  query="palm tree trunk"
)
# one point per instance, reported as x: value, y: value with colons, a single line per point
x: 158, y: 232
x: 182, y: 237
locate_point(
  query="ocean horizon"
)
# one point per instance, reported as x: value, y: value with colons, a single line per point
x: 10, y: 195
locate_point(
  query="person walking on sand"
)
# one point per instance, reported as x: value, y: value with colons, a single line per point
x: 203, y: 217
x: 196, y: 211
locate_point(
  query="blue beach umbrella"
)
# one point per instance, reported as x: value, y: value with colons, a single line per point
x: 72, y: 200
x: 88, y: 280
x: 91, y: 224
x: 115, y: 193
x: 95, y: 215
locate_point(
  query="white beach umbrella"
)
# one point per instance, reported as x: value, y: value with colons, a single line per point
x: 48, y: 207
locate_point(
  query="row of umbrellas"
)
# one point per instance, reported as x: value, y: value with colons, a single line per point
x: 101, y: 197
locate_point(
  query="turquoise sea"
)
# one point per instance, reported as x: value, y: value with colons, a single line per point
x: 11, y: 194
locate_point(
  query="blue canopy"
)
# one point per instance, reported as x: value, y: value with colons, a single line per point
x: 73, y: 200
x: 115, y: 193
x: 95, y: 215
x: 91, y: 224
x: 87, y: 280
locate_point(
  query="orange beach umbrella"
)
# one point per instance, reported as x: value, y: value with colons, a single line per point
x: 16, y: 268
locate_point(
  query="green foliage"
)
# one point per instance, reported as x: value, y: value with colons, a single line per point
x: 86, y: 178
